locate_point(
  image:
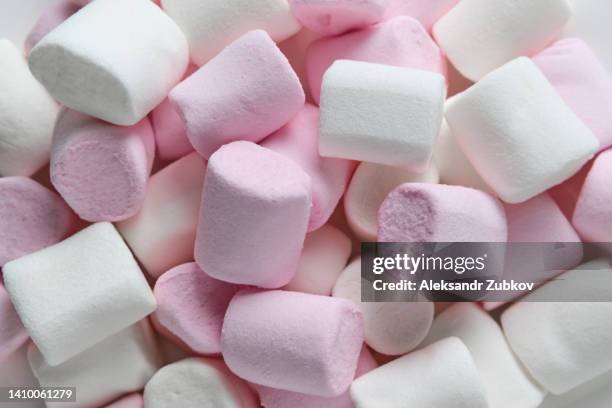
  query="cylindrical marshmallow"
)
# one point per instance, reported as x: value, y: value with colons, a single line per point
x: 299, y: 141
x: 426, y: 12
x: 12, y: 332
x: 27, y: 115
x: 162, y: 233
x: 170, y: 135
x: 293, y: 341
x: 246, y: 92
x: 101, y: 170
x: 253, y: 218
x: 51, y: 17
x: 518, y: 133
x: 115, y: 60
x: 481, y: 35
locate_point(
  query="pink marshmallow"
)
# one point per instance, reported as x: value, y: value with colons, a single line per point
x: 130, y: 401
x: 420, y: 212
x: 586, y: 87
x: 299, y: 141
x: 12, y: 332
x: 293, y: 341
x: 566, y: 194
x: 191, y: 306
x: 50, y: 18
x: 100, y: 169
x: 246, y: 92
x: 427, y: 12
x: 401, y: 41
x: 333, y: 17
x: 294, y: 49
x: 31, y: 218
x: 254, y: 215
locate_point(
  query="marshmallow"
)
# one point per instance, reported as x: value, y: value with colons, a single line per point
x: 131, y: 401
x: 31, y: 218
x: 191, y: 306
x: 113, y: 59
x: 254, y: 214
x: 565, y: 344
x: 294, y: 48
x: 210, y: 26
x: 481, y: 35
x: 12, y: 332
x: 420, y: 212
x: 51, y: 17
x: 518, y: 133
x: 197, y: 383
x: 380, y: 113
x: 293, y: 341
x: 162, y: 233
x: 333, y: 17
x: 323, y: 258
x: 506, y: 383
x: 100, y: 169
x: 440, y: 375
x: 596, y: 393
x: 427, y: 12
x: 369, y: 187
x: 120, y: 364
x: 246, y: 92
x: 78, y: 292
x: 592, y: 216
x: 27, y: 115
x: 400, y: 42
x: 586, y: 88
x: 566, y: 194
x: 391, y: 328
x: 299, y: 140
x: 15, y: 371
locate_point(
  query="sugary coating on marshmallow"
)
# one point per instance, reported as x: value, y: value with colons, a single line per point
x: 254, y: 215
x: 191, y: 306
x: 246, y: 92
x: 293, y: 341
x: 162, y: 234
x: 197, y: 383
x: 479, y: 36
x: 401, y: 42
x: 211, y: 25
x: 78, y: 292
x: 101, y: 170
x: 27, y: 115
x: 31, y: 218
x: 115, y: 60
x: 440, y: 375
x: 369, y: 187
x: 333, y: 17
x: 12, y: 332
x: 380, y: 113
x: 506, y: 383
x: 299, y: 141
x: 134, y: 400
x: 391, y: 328
x: 565, y: 344
x: 586, y: 87
x: 421, y: 212
x: 426, y: 12
x: 51, y: 17
x: 518, y: 133
x: 120, y: 364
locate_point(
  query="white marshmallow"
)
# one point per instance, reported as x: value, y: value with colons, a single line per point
x: 380, y: 113
x: 506, y: 382
x: 565, y: 344
x: 120, y: 364
x: 114, y: 59
x: 213, y: 24
x: 27, y: 115
x: 481, y: 35
x: 162, y: 234
x: 440, y: 375
x: 518, y: 133
x: 78, y: 292
x: 596, y: 393
x: 197, y: 383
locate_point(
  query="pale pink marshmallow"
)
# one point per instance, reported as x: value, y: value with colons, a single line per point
x: 299, y: 141
x: 254, y: 215
x: 101, y: 170
x: 273, y: 398
x: 427, y: 12
x: 333, y: 17
x: 12, y: 332
x: 15, y: 371
x: 566, y: 194
x: 246, y: 92
x: 130, y: 401
x: 293, y: 341
x: 31, y: 218
x: 401, y: 41
x: 586, y: 87
x: 51, y: 17
x: 191, y: 306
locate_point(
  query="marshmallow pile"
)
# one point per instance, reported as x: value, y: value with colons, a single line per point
x: 184, y: 185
